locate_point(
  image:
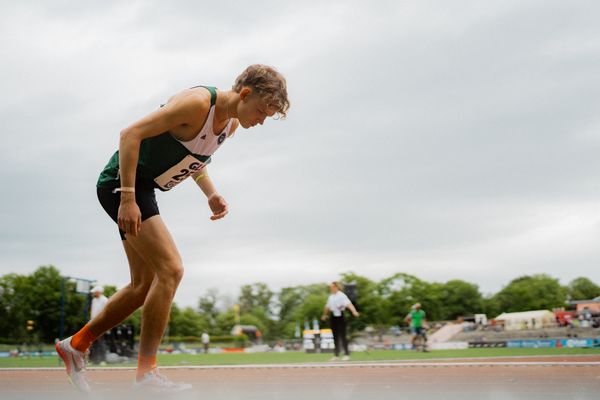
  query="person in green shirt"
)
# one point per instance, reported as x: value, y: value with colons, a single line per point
x: 418, y: 323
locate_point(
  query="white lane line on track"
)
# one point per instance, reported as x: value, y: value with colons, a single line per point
x: 347, y: 365
x: 390, y: 365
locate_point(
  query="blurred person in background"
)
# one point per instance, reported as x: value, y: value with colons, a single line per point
x: 205, y: 341
x: 418, y: 323
x: 98, y: 348
x: 99, y: 300
x: 337, y: 302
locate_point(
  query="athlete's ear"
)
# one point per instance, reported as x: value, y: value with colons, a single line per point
x: 245, y: 93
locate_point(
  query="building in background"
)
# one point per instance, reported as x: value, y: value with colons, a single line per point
x: 536, y: 319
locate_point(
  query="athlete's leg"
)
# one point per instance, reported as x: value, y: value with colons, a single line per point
x: 155, y: 244
x: 424, y: 345
x: 119, y: 306
x: 413, y: 338
x: 129, y: 298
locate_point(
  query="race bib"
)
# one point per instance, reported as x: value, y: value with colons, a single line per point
x: 179, y: 172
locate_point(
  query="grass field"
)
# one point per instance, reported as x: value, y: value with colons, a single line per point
x: 298, y: 357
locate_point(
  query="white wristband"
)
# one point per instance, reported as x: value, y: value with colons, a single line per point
x: 124, y: 189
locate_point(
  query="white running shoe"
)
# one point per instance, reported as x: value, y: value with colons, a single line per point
x: 336, y: 358
x: 153, y: 381
x: 75, y: 362
x: 346, y: 358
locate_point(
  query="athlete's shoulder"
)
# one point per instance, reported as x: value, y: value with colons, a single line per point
x: 193, y: 97
x: 189, y: 104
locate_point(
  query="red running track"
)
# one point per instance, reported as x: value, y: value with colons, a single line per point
x: 565, y: 377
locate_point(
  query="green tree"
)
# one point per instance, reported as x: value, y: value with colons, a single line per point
x: 256, y: 306
x: 460, y: 298
x: 288, y: 301
x: 37, y: 297
x: 583, y: 289
x: 535, y: 292
x: 207, y: 305
x: 369, y: 303
x: 174, y: 317
x: 256, y: 295
x: 225, y: 322
x: 403, y: 290
x: 186, y: 322
x: 491, y: 307
x: 43, y: 295
x: 14, y: 306
x: 311, y: 308
x: 109, y: 290
x: 298, y: 304
x: 441, y: 301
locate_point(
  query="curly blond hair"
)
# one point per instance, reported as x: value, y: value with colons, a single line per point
x: 267, y: 82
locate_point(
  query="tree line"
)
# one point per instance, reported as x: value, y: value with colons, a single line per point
x: 31, y: 305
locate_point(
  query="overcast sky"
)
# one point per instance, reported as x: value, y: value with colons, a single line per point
x: 449, y: 140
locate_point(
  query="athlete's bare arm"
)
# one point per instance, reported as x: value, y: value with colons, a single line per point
x: 186, y: 109
x: 216, y: 202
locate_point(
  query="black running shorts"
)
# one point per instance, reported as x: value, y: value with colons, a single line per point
x: 144, y: 197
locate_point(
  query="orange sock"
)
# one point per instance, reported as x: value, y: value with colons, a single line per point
x: 145, y: 365
x: 83, y: 339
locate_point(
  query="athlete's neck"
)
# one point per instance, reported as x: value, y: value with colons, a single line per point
x: 226, y: 106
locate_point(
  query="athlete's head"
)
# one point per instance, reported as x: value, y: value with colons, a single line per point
x: 263, y: 93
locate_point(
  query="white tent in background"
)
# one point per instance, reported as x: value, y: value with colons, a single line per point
x: 537, y: 319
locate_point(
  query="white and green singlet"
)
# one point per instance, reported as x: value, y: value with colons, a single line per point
x: 165, y: 161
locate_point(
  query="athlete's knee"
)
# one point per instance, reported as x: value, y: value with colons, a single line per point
x: 177, y: 275
x: 171, y: 274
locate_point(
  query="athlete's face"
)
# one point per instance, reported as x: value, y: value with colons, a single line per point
x: 253, y: 109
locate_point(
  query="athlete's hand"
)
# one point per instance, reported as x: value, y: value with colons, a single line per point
x: 218, y: 206
x: 129, y: 217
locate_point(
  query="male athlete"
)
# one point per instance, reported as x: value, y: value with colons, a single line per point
x: 159, y: 151
x: 418, y: 322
